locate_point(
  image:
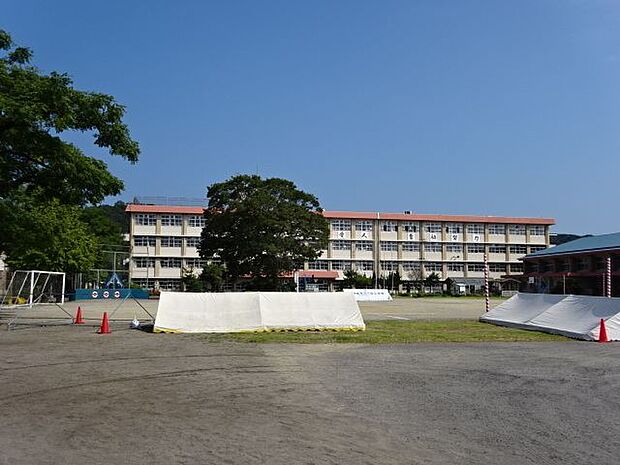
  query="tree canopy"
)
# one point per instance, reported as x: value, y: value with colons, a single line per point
x: 35, y: 108
x: 42, y: 176
x: 46, y: 236
x: 262, y: 228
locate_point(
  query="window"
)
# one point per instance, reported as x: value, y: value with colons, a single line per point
x: 564, y: 265
x: 518, y: 249
x: 475, y: 248
x: 516, y: 229
x: 363, y: 226
x: 455, y: 267
x: 170, y: 263
x: 387, y: 246
x: 318, y: 265
x: 196, y: 221
x: 340, y: 265
x: 582, y: 264
x: 389, y: 266
x: 475, y: 229
x: 389, y: 226
x: 537, y: 248
x: 531, y: 267
x: 411, y: 247
x: 194, y: 263
x: 171, y: 220
x: 411, y: 266
x: 432, y: 227
x: 365, y: 266
x: 146, y: 220
x: 497, y: 267
x: 433, y: 267
x: 341, y: 225
x: 363, y: 246
x: 192, y: 241
x: 341, y: 245
x: 171, y: 241
x: 537, y: 230
x: 453, y: 228
x: 144, y: 241
x: 475, y: 267
x: 496, y: 248
x: 142, y: 262
x: 516, y: 267
x: 497, y: 229
x: 454, y: 248
x: 169, y: 284
x: 434, y: 247
x: 409, y: 226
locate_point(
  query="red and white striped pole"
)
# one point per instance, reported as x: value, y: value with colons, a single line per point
x: 608, y: 276
x: 486, y: 283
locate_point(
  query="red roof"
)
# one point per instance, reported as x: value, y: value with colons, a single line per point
x: 454, y: 218
x: 138, y: 208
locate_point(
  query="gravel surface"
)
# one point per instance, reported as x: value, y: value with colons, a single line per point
x: 70, y: 396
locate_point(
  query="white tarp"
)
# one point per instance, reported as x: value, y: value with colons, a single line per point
x: 227, y: 312
x: 365, y: 295
x: 576, y: 316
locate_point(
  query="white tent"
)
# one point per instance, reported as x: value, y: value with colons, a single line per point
x: 576, y: 316
x: 188, y: 312
x: 365, y: 295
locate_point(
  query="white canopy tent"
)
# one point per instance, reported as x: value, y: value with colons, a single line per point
x: 576, y: 316
x: 188, y: 312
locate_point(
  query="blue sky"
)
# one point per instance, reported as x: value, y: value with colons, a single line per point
x: 479, y: 107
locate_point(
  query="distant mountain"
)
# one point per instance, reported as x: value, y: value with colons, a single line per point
x: 557, y: 239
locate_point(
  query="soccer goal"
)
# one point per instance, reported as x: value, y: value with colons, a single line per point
x: 27, y: 288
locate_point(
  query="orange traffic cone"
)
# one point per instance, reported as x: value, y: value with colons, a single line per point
x: 105, y: 326
x: 602, y: 332
x: 78, y: 320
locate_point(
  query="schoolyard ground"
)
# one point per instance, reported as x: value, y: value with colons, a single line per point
x: 71, y: 396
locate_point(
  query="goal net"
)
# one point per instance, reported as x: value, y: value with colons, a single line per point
x: 27, y: 288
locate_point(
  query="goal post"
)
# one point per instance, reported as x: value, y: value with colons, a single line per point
x: 32, y: 287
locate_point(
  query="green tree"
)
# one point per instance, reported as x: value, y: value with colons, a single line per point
x: 38, y: 169
x: 432, y: 280
x: 262, y: 228
x: 212, y: 277
x: 108, y: 223
x: 35, y: 109
x: 46, y: 236
x: 191, y: 282
x: 355, y: 280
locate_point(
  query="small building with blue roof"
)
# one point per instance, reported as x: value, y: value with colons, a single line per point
x: 575, y: 267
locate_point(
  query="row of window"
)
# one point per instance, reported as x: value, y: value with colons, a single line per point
x: 412, y: 266
x: 147, y: 262
x: 165, y: 241
x: 451, y: 228
x: 149, y: 219
x: 431, y: 247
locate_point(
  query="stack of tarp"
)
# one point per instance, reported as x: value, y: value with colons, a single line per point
x: 188, y: 312
x: 576, y: 316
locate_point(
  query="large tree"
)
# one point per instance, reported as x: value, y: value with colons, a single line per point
x: 39, y: 171
x: 46, y: 236
x: 35, y: 109
x: 262, y: 228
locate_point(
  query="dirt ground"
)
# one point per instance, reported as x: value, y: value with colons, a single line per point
x: 70, y: 396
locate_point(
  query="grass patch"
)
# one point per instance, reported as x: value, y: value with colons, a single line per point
x: 398, y: 332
